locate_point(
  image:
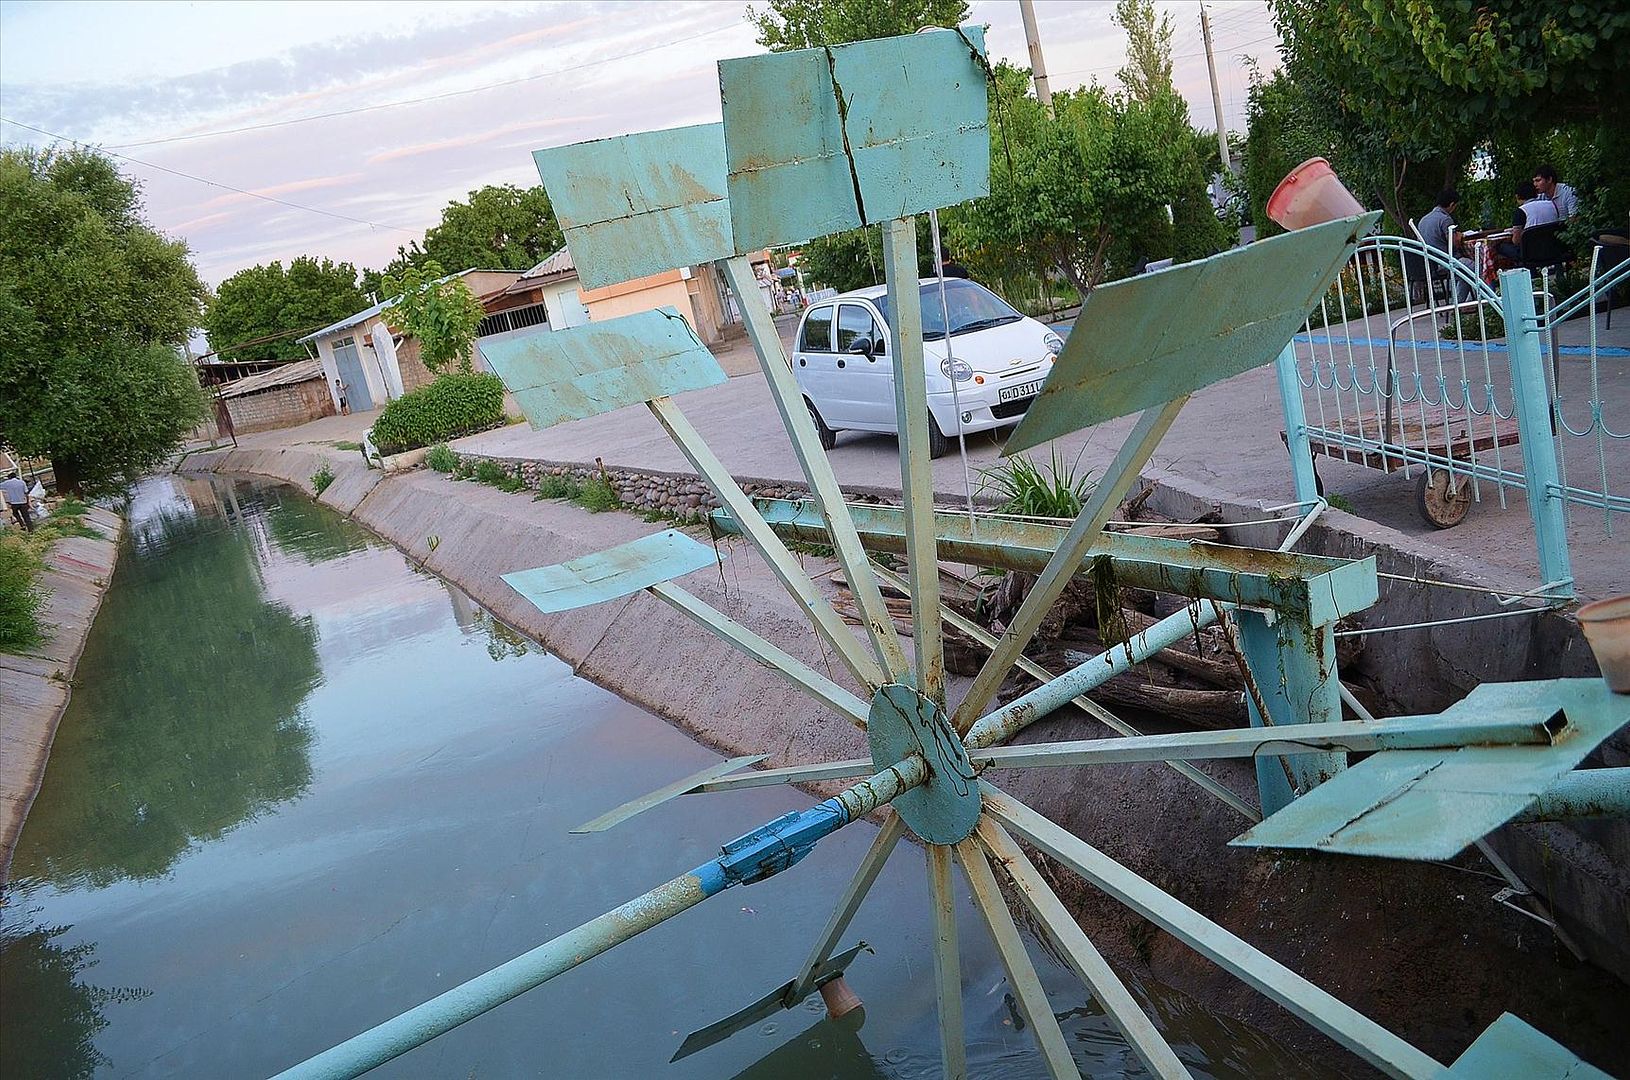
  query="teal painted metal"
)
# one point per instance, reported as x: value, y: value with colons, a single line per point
x: 1431, y: 804
x: 1130, y: 349
x: 1518, y: 727
x: 978, y: 633
x: 1532, y: 400
x: 1312, y: 588
x: 916, y: 477
x: 1081, y: 955
x: 827, y: 497
x: 947, y: 965
x: 1021, y: 973
x: 1303, y: 478
x: 1293, y: 666
x: 635, y: 807
x: 791, y: 774
x: 837, y: 924
x: 822, y: 140
x: 902, y: 722
x: 615, y: 572
x: 1510, y: 1049
x: 1583, y: 793
x: 579, y: 371
x: 640, y: 204
x: 1062, y: 566
x: 1352, y: 1029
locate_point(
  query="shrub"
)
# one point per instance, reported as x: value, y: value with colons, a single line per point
x: 453, y: 405
x: 492, y: 474
x: 441, y: 458
x: 597, y: 494
x: 322, y: 478
x: 20, y: 597
x: 1030, y: 490
x: 554, y: 486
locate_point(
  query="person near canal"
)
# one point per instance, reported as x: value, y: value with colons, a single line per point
x: 1532, y: 209
x: 1561, y: 195
x: 16, y: 492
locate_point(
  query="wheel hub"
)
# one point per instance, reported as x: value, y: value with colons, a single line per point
x: 945, y: 809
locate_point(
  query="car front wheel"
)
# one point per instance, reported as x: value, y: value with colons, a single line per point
x: 938, y: 444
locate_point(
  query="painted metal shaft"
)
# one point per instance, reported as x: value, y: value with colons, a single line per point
x: 747, y: 859
x: 1002, y: 724
x: 1583, y: 793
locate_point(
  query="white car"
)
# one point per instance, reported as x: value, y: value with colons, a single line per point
x: 997, y: 358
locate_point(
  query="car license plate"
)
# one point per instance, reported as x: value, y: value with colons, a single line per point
x: 1023, y: 390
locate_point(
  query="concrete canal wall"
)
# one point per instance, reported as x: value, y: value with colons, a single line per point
x: 34, y: 687
x: 1384, y: 936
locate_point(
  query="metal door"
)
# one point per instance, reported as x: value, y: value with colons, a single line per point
x: 349, y: 366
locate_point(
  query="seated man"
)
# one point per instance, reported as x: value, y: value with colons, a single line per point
x: 1435, y: 228
x: 1561, y: 195
x: 1532, y: 209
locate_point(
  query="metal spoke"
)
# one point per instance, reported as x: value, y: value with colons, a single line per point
x: 1021, y: 973
x: 771, y: 656
x: 916, y: 477
x: 1080, y: 953
x: 1065, y: 562
x: 820, y: 611
x: 1352, y: 1029
x: 947, y: 964
x: 823, y: 484
x: 1085, y: 704
x: 792, y: 774
x: 865, y: 875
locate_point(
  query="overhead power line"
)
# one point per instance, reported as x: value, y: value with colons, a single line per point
x: 421, y: 100
x: 212, y: 183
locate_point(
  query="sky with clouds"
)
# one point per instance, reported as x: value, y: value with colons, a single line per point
x: 303, y: 102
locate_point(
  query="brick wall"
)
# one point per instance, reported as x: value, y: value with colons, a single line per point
x: 414, y: 373
x: 281, y: 407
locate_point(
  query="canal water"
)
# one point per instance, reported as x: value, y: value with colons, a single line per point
x: 303, y: 785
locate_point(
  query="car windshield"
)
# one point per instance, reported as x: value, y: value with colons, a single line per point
x: 972, y: 307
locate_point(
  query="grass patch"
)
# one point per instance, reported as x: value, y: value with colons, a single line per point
x: 347, y: 444
x: 814, y: 551
x: 22, y: 557
x: 1053, y: 490
x: 322, y: 478
x: 493, y: 475
x: 559, y: 486
x: 1340, y: 502
x: 597, y: 495
x: 442, y: 459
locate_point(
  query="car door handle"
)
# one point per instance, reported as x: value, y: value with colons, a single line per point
x: 802, y: 362
x: 842, y: 364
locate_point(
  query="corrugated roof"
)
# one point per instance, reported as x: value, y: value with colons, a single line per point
x: 557, y: 265
x: 367, y: 313
x: 297, y: 372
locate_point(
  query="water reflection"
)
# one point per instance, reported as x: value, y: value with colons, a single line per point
x: 68, y: 1011
x: 829, y: 1048
x: 185, y: 719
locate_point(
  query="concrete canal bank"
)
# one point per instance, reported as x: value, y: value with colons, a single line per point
x: 34, y: 687
x: 1386, y: 937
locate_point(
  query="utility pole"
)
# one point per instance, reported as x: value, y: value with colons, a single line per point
x: 1216, y: 96
x: 1038, y: 66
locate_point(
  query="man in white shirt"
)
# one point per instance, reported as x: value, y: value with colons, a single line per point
x: 15, y: 490
x: 1561, y: 195
x: 1532, y: 209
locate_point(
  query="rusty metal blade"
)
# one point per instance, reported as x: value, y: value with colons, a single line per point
x: 768, y: 1005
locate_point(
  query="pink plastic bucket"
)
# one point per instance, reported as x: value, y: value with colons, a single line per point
x: 1311, y: 195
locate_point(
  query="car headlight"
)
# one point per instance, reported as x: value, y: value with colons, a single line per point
x: 1054, y: 343
x: 956, y: 369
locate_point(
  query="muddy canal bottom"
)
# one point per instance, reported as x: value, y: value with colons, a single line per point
x: 303, y: 786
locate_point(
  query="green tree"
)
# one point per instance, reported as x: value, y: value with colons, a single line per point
x: 94, y: 307
x: 266, y: 301
x: 1408, y: 89
x: 1148, y: 71
x: 499, y: 227
x: 805, y: 24
x: 440, y: 311
x: 52, y: 1014
x: 854, y: 259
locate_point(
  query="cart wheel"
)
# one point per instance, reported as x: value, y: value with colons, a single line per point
x: 1441, y: 501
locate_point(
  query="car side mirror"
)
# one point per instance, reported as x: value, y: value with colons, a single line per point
x: 863, y: 347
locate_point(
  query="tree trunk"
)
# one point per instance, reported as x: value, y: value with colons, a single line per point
x: 69, y: 474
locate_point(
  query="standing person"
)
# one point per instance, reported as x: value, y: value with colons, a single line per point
x: 1532, y: 209
x: 1561, y: 195
x: 16, y: 492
